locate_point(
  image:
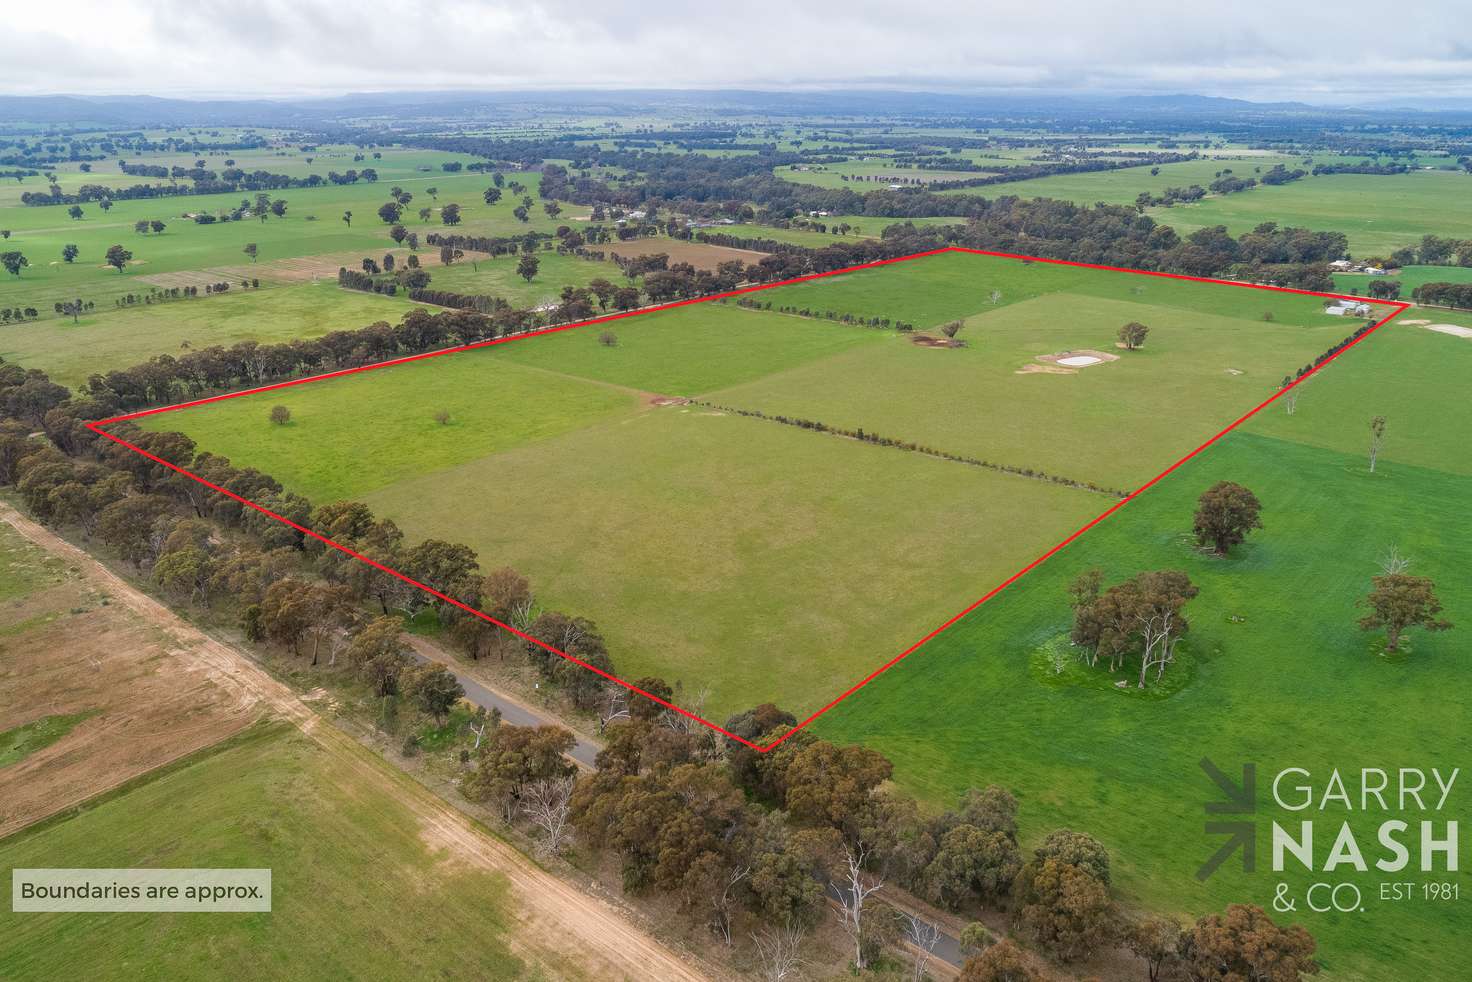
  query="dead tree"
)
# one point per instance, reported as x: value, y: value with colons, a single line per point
x: 776, y: 951
x: 856, y: 886
x: 923, y: 936
x: 1377, y: 437
x: 615, y: 705
x: 548, y: 804
x: 723, y: 904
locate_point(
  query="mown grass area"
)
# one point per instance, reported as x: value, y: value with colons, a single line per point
x: 347, y: 436
x: 752, y: 559
x: 689, y: 350
x: 105, y: 340
x: 1281, y: 677
x: 355, y: 879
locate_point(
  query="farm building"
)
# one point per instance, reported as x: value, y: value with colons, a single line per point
x: 1353, y: 308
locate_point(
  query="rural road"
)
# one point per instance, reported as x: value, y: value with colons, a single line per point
x: 947, y: 949
x: 584, y: 752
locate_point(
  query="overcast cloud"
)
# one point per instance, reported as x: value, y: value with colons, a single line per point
x: 1351, y: 51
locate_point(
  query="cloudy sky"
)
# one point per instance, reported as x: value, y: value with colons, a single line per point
x: 1313, y: 51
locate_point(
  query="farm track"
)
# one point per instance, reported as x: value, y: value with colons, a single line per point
x: 588, y: 932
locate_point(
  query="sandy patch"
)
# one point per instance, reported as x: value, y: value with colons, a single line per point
x: 1455, y: 330
x: 1036, y: 369
x: 668, y: 401
x: 1416, y: 322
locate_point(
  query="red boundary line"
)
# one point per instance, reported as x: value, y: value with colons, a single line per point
x: 96, y: 426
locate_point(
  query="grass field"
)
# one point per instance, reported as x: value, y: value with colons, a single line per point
x: 1379, y: 214
x: 337, y: 446
x: 356, y: 883
x: 703, y: 543
x: 105, y: 340
x: 1409, y: 278
x: 1123, y: 186
x: 1277, y: 671
x: 497, y: 277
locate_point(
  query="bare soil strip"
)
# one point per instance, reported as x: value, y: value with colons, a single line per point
x: 701, y: 255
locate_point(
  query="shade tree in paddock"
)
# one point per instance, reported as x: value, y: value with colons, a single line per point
x: 13, y: 261
x: 527, y: 266
x: 117, y: 257
x: 1398, y: 601
x: 1133, y: 335
x: 69, y: 253
x: 1225, y: 514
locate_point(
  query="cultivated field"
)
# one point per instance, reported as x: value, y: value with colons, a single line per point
x: 93, y: 692
x: 698, y: 254
x: 712, y: 546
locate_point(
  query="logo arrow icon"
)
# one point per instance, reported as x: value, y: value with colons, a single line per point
x: 1241, y: 799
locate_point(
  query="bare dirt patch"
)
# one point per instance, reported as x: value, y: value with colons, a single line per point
x: 927, y: 341
x: 667, y: 401
x: 1036, y: 369
x: 701, y: 255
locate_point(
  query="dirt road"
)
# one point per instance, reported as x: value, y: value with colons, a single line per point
x: 572, y: 926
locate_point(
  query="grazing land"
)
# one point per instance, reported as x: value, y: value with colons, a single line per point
x: 706, y: 542
x: 1278, y: 672
x: 103, y: 340
x: 1379, y: 213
